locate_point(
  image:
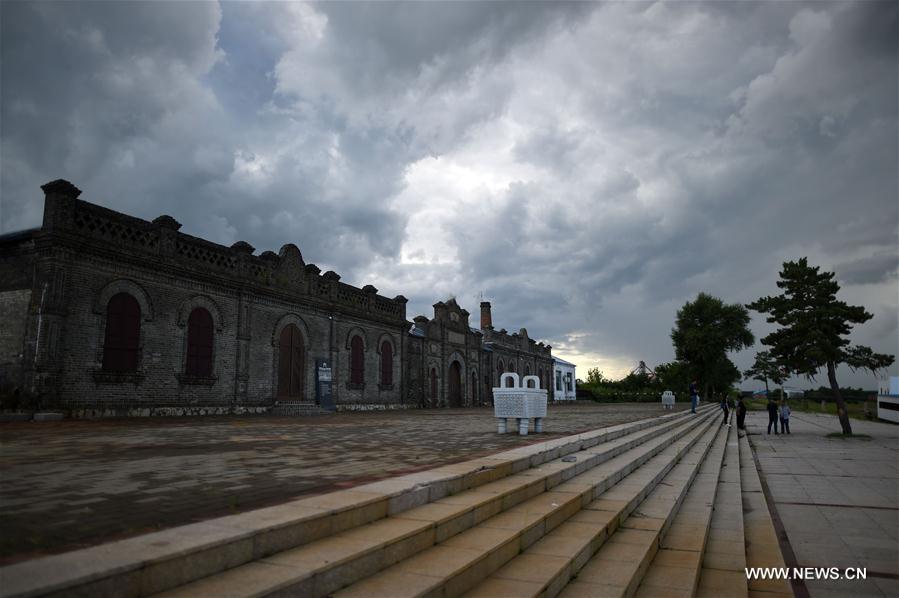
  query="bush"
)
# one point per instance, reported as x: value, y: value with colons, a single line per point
x: 614, y: 395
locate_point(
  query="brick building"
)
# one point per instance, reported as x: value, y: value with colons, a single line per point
x: 514, y: 352
x: 104, y: 314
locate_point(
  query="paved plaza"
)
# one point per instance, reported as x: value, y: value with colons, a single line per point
x: 837, y: 499
x: 75, y: 483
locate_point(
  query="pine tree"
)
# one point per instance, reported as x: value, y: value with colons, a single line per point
x: 813, y: 328
x: 766, y: 368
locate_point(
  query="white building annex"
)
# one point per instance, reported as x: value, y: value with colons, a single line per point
x: 564, y: 380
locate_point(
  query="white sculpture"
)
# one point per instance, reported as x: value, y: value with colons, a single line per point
x: 668, y: 399
x: 519, y: 401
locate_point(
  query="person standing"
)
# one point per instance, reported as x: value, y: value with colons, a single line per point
x: 772, y: 415
x: 725, y: 409
x: 694, y: 396
x: 784, y: 417
x: 741, y: 414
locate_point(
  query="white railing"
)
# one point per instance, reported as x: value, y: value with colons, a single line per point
x: 521, y: 401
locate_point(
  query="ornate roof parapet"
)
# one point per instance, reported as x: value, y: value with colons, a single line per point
x: 109, y: 232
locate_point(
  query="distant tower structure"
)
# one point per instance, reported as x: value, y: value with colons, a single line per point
x: 643, y: 370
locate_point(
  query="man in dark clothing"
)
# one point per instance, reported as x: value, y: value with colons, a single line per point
x: 741, y: 414
x: 772, y: 415
x: 694, y: 396
x: 725, y: 409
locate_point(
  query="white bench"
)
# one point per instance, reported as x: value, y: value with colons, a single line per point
x: 520, y: 401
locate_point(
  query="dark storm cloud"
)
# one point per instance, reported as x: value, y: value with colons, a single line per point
x: 588, y: 167
x: 869, y: 270
x: 398, y: 40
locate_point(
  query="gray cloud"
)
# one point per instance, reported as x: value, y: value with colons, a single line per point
x: 880, y: 267
x: 589, y: 167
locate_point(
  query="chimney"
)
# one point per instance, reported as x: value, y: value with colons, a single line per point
x: 486, y: 318
x: 59, y: 203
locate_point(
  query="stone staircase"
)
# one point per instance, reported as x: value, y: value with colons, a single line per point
x: 653, y: 508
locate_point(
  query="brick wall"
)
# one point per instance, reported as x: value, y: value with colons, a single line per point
x: 56, y: 283
x: 14, y: 317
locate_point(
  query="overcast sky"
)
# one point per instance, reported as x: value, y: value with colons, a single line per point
x: 588, y: 167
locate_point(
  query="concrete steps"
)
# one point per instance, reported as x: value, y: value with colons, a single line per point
x: 675, y: 569
x: 464, y: 561
x: 620, y: 564
x: 652, y: 508
x: 331, y: 540
x: 723, y: 565
x: 533, y: 496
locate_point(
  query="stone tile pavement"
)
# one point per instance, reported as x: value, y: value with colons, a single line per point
x: 70, y: 484
x: 838, y: 499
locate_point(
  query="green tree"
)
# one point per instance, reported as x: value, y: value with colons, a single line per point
x: 813, y: 328
x: 674, y: 376
x: 704, y: 331
x: 595, y: 377
x: 767, y: 368
x: 723, y: 375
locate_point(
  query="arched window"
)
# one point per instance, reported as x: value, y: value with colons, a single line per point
x: 357, y: 360
x: 122, y: 341
x: 499, y: 371
x: 527, y: 370
x: 540, y: 377
x: 386, y: 363
x: 199, y: 343
x: 434, y: 383
x: 512, y: 366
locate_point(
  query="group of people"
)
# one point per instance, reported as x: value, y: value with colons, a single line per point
x: 776, y: 412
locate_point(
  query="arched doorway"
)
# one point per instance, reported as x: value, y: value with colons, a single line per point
x: 290, y: 363
x: 455, y: 384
